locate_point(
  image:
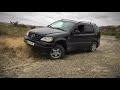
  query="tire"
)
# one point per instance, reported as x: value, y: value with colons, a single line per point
x: 57, y: 52
x: 93, y: 47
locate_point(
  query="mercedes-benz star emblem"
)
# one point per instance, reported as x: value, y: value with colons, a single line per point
x: 33, y: 35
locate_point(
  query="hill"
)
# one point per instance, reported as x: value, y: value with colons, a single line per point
x: 110, y: 30
x: 14, y: 29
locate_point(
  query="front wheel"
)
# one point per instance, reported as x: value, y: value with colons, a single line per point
x: 57, y: 52
x: 93, y: 47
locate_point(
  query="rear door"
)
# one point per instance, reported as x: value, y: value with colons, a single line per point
x: 89, y: 34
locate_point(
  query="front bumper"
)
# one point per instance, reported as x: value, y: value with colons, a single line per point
x: 40, y: 44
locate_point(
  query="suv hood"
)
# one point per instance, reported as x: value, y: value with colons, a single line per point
x: 45, y: 31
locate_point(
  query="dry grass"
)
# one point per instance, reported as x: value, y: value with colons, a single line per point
x: 14, y: 50
x: 11, y: 42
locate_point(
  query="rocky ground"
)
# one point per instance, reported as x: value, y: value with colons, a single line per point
x: 103, y: 63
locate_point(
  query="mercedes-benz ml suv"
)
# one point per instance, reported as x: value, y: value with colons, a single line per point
x: 63, y: 36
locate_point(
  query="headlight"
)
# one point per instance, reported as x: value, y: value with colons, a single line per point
x: 47, y: 39
x: 27, y: 33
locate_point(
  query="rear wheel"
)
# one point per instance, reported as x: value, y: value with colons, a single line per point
x: 57, y: 52
x: 93, y: 47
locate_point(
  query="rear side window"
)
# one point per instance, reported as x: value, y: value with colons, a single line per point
x: 97, y: 28
x: 88, y: 29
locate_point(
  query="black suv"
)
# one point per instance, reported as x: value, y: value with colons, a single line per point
x: 63, y: 36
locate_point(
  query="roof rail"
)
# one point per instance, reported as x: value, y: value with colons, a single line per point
x: 87, y: 22
x: 68, y: 20
x: 80, y: 21
x: 93, y: 23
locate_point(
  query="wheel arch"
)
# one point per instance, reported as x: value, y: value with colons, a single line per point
x: 62, y: 42
x: 95, y: 41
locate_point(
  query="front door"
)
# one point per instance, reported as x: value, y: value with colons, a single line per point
x: 78, y: 38
x: 82, y: 37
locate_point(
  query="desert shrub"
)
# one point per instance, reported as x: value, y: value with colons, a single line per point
x: 14, y: 23
x: 32, y: 27
x: 22, y: 25
x: 17, y: 24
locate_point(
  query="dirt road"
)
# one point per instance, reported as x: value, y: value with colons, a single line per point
x: 104, y: 63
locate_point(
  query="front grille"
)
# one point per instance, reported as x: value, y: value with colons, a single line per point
x: 34, y: 36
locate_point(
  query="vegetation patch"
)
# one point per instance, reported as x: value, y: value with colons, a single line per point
x: 110, y: 30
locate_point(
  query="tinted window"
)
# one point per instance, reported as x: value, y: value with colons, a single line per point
x: 80, y: 29
x: 88, y: 29
x: 97, y: 28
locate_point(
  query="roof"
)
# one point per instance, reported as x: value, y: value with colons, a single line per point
x: 85, y: 22
x: 69, y: 20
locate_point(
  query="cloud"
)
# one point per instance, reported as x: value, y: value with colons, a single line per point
x: 45, y: 18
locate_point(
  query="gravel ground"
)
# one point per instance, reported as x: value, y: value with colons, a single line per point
x: 104, y: 63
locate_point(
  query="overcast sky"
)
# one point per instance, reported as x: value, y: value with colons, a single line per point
x: 45, y: 18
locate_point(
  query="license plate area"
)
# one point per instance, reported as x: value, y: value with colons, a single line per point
x: 30, y: 43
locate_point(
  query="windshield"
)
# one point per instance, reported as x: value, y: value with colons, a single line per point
x: 62, y: 25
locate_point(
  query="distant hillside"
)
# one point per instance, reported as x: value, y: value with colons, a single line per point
x: 28, y: 26
x: 110, y: 30
x: 16, y: 29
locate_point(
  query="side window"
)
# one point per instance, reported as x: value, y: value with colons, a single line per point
x: 80, y: 29
x: 88, y: 29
